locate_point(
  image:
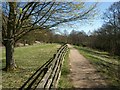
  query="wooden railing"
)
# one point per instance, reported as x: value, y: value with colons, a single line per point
x: 47, y: 76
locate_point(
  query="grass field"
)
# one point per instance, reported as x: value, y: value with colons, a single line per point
x: 64, y: 81
x: 28, y: 59
x: 108, y: 66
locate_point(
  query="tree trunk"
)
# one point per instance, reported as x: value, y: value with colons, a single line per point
x: 10, y: 62
x: 24, y: 42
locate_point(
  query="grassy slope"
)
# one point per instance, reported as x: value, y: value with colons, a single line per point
x: 108, y: 66
x: 64, y: 81
x: 28, y: 60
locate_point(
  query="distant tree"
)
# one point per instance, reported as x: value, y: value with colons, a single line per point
x: 77, y: 37
x: 43, y: 35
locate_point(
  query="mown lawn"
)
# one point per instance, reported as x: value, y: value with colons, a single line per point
x: 28, y: 60
x: 64, y: 81
x: 108, y: 66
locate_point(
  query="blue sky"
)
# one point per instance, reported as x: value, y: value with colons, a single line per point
x: 94, y: 25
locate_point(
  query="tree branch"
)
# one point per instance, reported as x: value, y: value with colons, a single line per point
x: 73, y: 18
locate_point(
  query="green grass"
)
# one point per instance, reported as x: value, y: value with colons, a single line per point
x: 107, y: 65
x: 64, y: 81
x: 28, y: 60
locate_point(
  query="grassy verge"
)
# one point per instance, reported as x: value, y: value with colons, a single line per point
x: 28, y: 59
x: 108, y: 66
x: 64, y: 81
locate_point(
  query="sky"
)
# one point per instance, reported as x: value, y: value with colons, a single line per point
x: 86, y: 27
x: 94, y: 25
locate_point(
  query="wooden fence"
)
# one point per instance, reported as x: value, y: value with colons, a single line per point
x: 47, y: 76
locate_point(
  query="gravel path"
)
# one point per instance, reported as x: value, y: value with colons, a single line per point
x: 83, y: 74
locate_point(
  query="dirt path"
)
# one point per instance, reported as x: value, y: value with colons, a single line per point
x: 83, y: 74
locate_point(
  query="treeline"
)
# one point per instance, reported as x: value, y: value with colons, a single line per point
x: 42, y: 36
x: 106, y: 38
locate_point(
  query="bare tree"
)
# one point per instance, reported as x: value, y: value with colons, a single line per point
x: 108, y: 36
x: 112, y: 20
x: 77, y: 37
x: 112, y: 15
x: 19, y: 18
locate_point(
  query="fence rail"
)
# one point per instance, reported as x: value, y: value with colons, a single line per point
x: 47, y: 75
